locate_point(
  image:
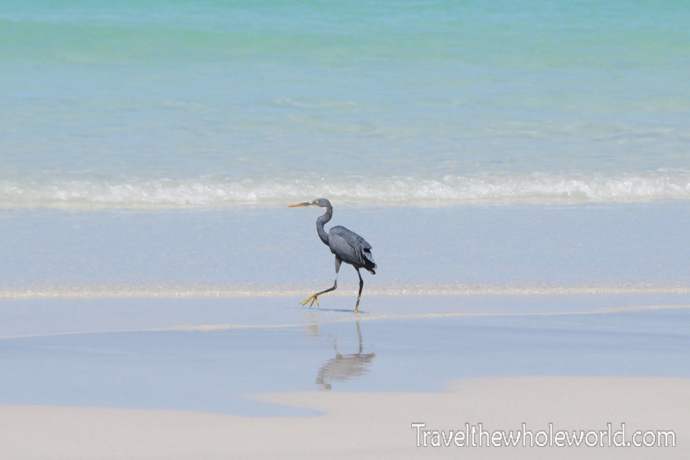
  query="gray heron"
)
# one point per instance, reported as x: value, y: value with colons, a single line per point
x: 346, y: 245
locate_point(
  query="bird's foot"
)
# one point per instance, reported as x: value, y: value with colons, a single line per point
x: 314, y: 298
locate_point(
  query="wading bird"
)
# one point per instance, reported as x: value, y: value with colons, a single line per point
x: 347, y: 246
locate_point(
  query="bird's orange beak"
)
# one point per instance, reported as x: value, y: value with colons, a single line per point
x: 299, y: 205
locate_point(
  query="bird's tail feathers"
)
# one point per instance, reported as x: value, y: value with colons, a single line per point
x: 369, y: 263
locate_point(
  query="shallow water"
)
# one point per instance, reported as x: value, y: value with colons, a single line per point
x: 276, y: 250
x: 209, y: 354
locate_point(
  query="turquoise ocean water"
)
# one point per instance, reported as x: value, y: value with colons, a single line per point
x: 453, y: 135
x: 179, y: 103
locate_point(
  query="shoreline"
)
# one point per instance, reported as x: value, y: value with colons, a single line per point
x: 261, y: 378
x: 99, y: 292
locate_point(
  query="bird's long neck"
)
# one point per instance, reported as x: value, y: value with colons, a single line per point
x: 321, y: 221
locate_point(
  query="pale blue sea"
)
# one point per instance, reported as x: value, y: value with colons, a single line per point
x: 150, y: 148
x: 158, y: 104
x: 158, y: 142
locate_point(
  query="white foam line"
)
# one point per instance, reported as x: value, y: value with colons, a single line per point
x: 206, y: 192
x: 411, y: 290
x: 364, y: 317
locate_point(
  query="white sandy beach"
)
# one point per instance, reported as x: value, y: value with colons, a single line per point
x: 366, y: 425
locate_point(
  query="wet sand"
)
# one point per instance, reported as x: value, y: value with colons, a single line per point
x: 247, y: 377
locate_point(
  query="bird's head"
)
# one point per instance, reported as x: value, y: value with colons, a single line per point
x: 321, y: 202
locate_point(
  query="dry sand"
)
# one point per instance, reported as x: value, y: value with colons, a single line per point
x: 365, y: 425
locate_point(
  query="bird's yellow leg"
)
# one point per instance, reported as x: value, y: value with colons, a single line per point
x: 314, y: 298
x: 361, y: 285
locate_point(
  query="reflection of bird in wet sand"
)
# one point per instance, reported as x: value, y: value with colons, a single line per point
x: 344, y: 367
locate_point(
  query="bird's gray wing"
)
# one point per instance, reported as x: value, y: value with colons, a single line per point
x: 350, y: 247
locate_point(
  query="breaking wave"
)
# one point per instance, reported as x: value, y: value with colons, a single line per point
x: 378, y: 191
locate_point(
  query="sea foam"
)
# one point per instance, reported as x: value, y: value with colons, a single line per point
x: 379, y: 191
